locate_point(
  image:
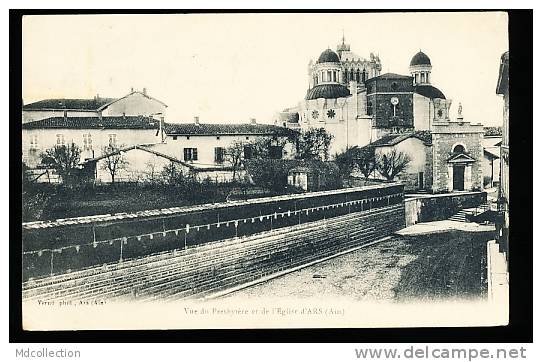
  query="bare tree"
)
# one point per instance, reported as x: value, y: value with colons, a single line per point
x: 235, y: 154
x: 392, y: 163
x: 365, y: 160
x: 114, y: 160
x: 64, y: 159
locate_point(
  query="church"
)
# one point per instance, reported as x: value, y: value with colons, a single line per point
x: 350, y: 98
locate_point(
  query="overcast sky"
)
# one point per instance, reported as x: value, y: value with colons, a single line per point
x: 228, y: 68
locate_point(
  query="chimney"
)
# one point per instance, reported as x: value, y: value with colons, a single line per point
x: 123, y: 115
x: 252, y: 120
x: 196, y: 120
x: 132, y: 90
x: 145, y: 91
x: 97, y: 97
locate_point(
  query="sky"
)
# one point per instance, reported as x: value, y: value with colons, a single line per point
x: 233, y: 67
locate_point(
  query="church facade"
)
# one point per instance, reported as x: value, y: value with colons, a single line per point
x: 350, y: 98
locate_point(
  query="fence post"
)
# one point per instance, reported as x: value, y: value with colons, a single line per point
x: 52, y: 257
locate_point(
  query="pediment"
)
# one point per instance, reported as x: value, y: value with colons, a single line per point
x: 461, y: 158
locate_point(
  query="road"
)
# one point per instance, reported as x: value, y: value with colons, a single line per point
x: 440, y: 266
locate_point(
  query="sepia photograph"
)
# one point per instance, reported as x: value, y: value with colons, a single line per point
x: 265, y: 170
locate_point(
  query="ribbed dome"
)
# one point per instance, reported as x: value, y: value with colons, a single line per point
x: 420, y: 59
x: 328, y: 56
x: 429, y: 91
x: 328, y: 91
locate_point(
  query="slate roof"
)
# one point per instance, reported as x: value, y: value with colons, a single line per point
x: 69, y: 104
x: 328, y: 56
x: 429, y: 91
x: 393, y: 139
x: 110, y: 122
x: 420, y: 58
x: 205, y: 129
x: 328, y: 91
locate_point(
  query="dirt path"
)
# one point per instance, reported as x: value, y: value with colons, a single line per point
x: 444, y: 265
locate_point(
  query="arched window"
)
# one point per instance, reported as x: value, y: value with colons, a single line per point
x: 364, y: 75
x: 459, y: 149
x: 357, y: 75
x: 351, y: 74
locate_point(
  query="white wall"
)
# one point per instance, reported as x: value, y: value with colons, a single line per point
x: 100, y: 137
x: 29, y: 115
x: 141, y: 166
x: 423, y: 112
x: 414, y: 148
x: 134, y: 104
x: 206, y: 146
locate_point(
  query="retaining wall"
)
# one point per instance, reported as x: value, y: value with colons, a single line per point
x: 200, y: 270
x: 425, y: 208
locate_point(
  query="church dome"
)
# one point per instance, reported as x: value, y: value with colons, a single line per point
x: 328, y: 91
x: 429, y: 91
x: 328, y: 56
x: 420, y: 58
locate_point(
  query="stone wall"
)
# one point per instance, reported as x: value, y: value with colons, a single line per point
x: 199, y: 271
x: 440, y: 207
x: 445, y: 138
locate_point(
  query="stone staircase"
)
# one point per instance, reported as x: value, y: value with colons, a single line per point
x: 461, y: 216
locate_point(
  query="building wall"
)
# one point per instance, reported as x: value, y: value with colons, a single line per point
x: 141, y: 166
x: 174, y: 146
x: 47, y: 138
x: 445, y: 138
x: 423, y: 111
x: 30, y: 115
x: 134, y: 104
x: 417, y: 151
x: 505, y: 149
x: 486, y: 168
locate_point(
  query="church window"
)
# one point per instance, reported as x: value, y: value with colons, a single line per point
x: 351, y: 74
x: 357, y: 75
x: 331, y: 113
x: 459, y: 149
x: 364, y: 75
x: 334, y: 76
x: 416, y: 78
x: 329, y: 75
x: 439, y: 113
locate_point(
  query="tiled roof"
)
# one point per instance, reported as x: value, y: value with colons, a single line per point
x: 204, y: 129
x: 393, y: 139
x: 113, y: 122
x: 70, y: 104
